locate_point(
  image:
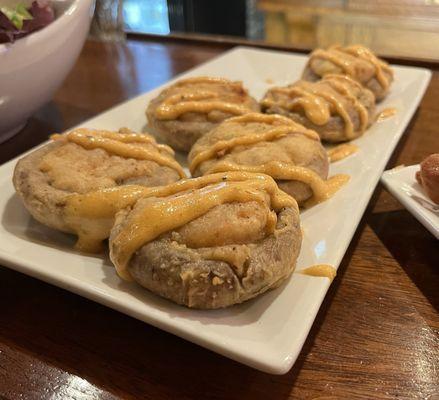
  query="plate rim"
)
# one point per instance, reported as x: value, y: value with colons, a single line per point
x: 390, y: 179
x: 279, y: 365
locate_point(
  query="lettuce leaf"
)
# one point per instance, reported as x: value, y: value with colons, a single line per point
x: 21, y: 20
x: 16, y: 15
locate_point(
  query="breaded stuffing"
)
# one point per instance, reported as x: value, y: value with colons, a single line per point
x: 90, y: 169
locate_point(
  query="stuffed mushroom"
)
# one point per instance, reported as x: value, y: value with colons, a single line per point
x: 355, y: 61
x: 53, y: 179
x: 209, y: 242
x: 336, y: 107
x: 189, y: 108
x: 290, y: 153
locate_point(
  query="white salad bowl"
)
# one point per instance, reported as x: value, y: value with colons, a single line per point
x: 33, y: 67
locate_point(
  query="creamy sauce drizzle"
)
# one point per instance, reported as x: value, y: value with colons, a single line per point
x: 386, y: 113
x: 187, y: 200
x: 337, y: 58
x: 233, y: 258
x: 320, y: 270
x: 340, y: 109
x: 322, y: 190
x: 91, y: 215
x: 345, y: 58
x: 224, y: 146
x: 341, y: 151
x: 333, y: 184
x: 318, y: 101
x: 380, y: 66
x: 123, y: 145
x: 316, y: 109
x: 345, y: 85
x: 271, y: 119
x: 200, y: 101
x: 207, y: 79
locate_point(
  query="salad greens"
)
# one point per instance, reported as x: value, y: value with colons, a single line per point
x: 17, y: 15
x: 20, y: 20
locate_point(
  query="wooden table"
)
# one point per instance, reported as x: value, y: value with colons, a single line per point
x: 375, y: 337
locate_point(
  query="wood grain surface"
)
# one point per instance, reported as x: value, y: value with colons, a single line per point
x: 376, y: 335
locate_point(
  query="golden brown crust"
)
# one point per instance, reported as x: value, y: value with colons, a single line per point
x: 356, y: 61
x: 336, y: 107
x: 295, y: 148
x: 218, y: 276
x: 45, y: 178
x: 181, y: 131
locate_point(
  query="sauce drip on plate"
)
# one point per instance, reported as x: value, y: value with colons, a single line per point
x: 341, y: 151
x: 320, y: 270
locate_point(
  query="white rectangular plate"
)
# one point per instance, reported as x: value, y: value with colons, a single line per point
x: 266, y: 333
x: 401, y: 182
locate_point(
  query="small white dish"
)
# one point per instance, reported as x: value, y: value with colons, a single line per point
x: 268, y: 332
x: 401, y: 182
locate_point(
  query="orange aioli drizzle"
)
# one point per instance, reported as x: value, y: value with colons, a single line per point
x: 226, y: 145
x: 339, y: 108
x: 322, y: 189
x: 91, y: 215
x: 288, y: 127
x: 122, y: 145
x: 126, y: 136
x: 337, y: 58
x: 320, y: 270
x: 337, y: 55
x: 343, y: 85
x: 187, y: 200
x: 341, y: 151
x: 316, y: 108
x: 386, y: 113
x: 316, y: 102
x: 380, y: 66
x: 333, y: 184
x: 207, y: 79
x: 272, y: 119
x: 202, y: 101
